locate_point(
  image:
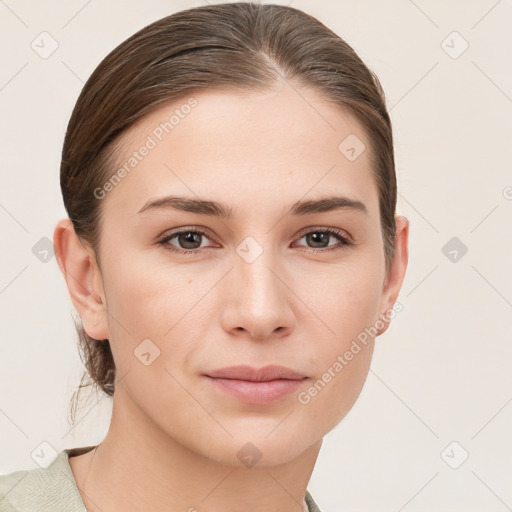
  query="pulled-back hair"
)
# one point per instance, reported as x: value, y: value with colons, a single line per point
x: 241, y: 46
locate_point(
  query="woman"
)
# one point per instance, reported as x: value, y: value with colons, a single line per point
x: 232, y: 250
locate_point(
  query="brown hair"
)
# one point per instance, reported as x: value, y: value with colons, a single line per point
x: 239, y: 46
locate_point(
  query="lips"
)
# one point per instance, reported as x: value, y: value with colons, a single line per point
x: 257, y: 385
x: 248, y: 373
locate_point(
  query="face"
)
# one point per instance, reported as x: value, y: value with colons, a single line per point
x: 190, y: 292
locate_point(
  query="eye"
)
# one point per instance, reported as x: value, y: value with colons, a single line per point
x: 188, y: 239
x: 320, y: 239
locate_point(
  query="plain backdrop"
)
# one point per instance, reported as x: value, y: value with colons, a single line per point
x: 439, y: 389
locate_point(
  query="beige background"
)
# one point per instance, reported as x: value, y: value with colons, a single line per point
x: 440, y: 374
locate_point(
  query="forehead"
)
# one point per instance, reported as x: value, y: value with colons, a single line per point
x: 245, y: 149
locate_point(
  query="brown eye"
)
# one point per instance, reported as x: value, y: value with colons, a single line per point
x: 318, y: 240
x: 188, y: 241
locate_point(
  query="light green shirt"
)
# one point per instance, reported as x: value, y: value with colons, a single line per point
x: 54, y: 489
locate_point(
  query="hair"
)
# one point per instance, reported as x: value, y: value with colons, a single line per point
x: 240, y: 46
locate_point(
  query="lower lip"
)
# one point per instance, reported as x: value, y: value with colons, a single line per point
x: 262, y: 392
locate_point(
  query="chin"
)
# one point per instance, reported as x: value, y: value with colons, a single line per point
x: 260, y: 450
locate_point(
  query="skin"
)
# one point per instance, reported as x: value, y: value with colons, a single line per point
x: 174, y: 438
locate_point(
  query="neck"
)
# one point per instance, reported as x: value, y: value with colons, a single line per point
x: 140, y: 467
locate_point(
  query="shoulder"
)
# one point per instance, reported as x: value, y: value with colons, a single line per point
x: 54, y: 489
x: 50, y: 489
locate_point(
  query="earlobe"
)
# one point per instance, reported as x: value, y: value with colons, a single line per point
x: 83, y: 279
x: 396, y: 274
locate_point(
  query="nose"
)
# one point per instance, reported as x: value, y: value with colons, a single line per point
x: 259, y: 299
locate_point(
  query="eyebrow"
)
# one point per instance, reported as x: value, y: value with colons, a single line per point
x: 213, y: 208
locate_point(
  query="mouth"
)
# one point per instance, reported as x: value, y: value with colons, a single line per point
x: 257, y: 386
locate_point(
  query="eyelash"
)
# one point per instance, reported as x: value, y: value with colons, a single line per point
x: 344, y: 241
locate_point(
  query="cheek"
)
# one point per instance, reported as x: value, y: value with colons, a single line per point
x: 151, y: 337
x: 332, y: 394
x: 347, y: 304
x: 167, y: 305
x: 144, y: 297
x: 345, y: 300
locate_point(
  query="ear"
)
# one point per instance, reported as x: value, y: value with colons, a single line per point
x: 396, y: 273
x: 78, y: 265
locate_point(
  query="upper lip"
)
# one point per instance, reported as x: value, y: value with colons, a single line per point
x: 266, y: 373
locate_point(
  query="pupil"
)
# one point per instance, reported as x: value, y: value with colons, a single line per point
x: 188, y: 238
x: 316, y: 237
